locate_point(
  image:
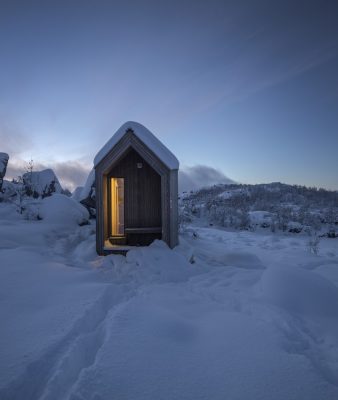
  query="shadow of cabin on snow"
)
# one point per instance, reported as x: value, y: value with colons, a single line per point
x: 136, y: 191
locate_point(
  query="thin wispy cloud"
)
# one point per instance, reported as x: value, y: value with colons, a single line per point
x: 259, y: 66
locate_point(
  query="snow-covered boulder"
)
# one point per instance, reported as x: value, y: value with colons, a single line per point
x: 4, y: 157
x: 87, y: 195
x: 41, y: 183
x: 8, y: 189
x: 77, y: 193
x: 63, y: 210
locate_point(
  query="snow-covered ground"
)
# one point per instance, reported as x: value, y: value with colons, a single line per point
x: 255, y: 316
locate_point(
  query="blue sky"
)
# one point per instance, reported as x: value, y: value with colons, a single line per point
x: 249, y: 88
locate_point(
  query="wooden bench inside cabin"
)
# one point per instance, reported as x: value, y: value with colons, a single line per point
x: 137, y: 236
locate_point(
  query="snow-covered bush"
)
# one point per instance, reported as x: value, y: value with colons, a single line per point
x: 294, y: 227
x: 313, y: 242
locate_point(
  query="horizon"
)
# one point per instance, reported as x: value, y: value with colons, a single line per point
x: 187, y: 180
x: 235, y: 90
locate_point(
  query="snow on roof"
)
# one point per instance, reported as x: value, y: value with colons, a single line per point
x: 150, y: 140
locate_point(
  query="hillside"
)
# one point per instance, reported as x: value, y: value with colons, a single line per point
x: 273, y: 206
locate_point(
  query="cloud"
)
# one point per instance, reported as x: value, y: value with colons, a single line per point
x: 70, y: 173
x: 74, y: 173
x: 192, y: 178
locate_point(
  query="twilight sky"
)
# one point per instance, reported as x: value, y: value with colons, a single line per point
x: 248, y: 89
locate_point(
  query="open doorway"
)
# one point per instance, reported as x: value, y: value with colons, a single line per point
x: 117, y: 207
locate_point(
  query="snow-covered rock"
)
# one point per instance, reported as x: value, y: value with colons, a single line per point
x: 3, y: 165
x: 153, y: 264
x: 9, y: 189
x: 62, y: 210
x: 87, y: 195
x: 41, y: 183
x: 77, y: 193
x: 4, y: 157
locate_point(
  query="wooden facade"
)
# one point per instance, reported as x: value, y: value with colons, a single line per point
x: 146, y: 196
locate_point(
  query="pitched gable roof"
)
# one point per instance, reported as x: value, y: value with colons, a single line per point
x: 150, y: 140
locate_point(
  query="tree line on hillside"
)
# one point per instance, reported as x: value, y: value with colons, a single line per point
x: 283, y: 207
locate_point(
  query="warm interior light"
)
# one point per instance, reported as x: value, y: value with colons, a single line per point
x: 117, y: 206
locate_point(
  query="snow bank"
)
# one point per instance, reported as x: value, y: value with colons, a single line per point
x: 172, y: 342
x: 300, y: 291
x: 242, y: 260
x: 154, y: 326
x: 150, y: 140
x: 44, y: 304
x: 62, y: 210
x: 161, y: 262
x: 154, y: 263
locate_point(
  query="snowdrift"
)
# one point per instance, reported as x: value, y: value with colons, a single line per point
x: 300, y: 291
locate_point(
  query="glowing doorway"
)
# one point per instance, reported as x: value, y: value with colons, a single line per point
x: 117, y: 206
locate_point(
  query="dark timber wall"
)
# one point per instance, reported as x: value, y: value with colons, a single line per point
x: 142, y: 197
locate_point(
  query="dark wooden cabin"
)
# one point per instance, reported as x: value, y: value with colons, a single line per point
x: 136, y: 191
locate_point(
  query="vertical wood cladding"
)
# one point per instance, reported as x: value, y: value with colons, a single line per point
x: 142, y: 191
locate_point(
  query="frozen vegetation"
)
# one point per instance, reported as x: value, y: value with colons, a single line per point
x: 234, y: 312
x: 275, y: 207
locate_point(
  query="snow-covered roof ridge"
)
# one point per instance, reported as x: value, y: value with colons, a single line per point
x: 148, y: 138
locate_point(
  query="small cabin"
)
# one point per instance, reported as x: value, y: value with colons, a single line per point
x: 136, y: 179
